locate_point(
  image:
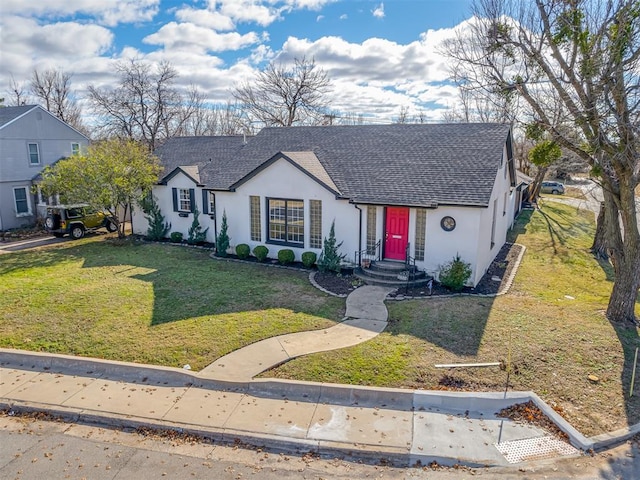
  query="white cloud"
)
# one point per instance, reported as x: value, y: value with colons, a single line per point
x: 344, y: 16
x: 378, y: 12
x: 106, y: 12
x: 186, y: 36
x: 205, y: 18
x: 319, y: 18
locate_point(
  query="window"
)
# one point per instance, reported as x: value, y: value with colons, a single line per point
x: 286, y: 221
x: 212, y: 203
x: 315, y: 224
x: 371, y: 230
x: 184, y: 199
x: 21, y: 198
x: 34, y: 154
x: 493, y: 223
x: 254, y: 215
x: 421, y: 226
x: 75, y: 148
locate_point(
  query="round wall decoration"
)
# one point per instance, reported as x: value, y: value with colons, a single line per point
x: 448, y: 223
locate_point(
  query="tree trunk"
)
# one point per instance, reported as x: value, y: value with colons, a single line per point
x: 123, y: 223
x: 625, y: 255
x: 537, y: 184
x: 599, y: 247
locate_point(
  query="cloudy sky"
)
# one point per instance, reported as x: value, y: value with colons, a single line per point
x: 380, y: 56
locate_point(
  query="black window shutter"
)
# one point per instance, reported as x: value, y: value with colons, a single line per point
x: 192, y: 199
x: 205, y: 202
x: 175, y: 199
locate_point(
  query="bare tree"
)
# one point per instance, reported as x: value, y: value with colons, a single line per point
x: 53, y: 89
x: 575, y: 63
x: 17, y: 93
x: 203, y: 119
x: 285, y: 96
x: 145, y: 106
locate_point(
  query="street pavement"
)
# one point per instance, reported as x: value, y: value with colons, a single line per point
x: 32, y: 448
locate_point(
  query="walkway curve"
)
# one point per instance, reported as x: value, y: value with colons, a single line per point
x: 366, y: 317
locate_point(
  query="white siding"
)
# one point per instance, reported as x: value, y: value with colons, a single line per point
x: 283, y: 180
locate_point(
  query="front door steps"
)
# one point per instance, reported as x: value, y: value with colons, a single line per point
x: 388, y: 273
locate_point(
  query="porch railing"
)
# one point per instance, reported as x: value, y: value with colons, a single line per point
x: 369, y: 254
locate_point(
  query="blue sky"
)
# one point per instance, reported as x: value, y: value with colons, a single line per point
x: 380, y: 56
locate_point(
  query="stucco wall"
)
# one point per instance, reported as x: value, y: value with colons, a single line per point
x: 279, y: 180
x: 283, y: 180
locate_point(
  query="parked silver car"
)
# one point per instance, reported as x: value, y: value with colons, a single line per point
x: 556, y: 188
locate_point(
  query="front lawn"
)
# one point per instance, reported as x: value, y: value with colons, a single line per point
x: 551, y: 325
x: 149, y: 303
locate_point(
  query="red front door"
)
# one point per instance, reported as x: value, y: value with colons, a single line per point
x: 396, y: 233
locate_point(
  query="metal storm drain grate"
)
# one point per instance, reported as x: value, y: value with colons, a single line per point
x: 535, y: 449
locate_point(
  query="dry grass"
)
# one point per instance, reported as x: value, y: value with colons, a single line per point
x: 550, y: 328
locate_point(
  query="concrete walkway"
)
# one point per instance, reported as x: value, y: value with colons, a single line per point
x: 376, y: 424
x: 366, y: 317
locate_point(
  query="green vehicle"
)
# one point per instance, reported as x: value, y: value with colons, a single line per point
x: 76, y: 220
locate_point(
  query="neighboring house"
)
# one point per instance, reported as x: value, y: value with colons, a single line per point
x: 30, y: 139
x: 429, y: 191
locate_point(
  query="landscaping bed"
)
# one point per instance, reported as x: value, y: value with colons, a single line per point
x: 498, y: 272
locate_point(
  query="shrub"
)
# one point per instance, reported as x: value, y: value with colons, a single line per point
x: 158, y: 228
x: 176, y: 237
x: 309, y: 258
x: 454, y: 275
x: 286, y: 256
x: 330, y: 259
x: 243, y: 250
x: 222, y: 242
x: 197, y: 236
x: 261, y: 253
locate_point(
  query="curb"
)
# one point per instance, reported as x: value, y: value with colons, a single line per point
x: 312, y: 279
x: 401, y: 399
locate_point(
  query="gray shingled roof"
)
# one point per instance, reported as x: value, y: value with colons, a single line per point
x: 11, y: 113
x: 414, y: 165
x: 210, y: 154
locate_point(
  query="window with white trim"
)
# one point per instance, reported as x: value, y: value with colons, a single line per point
x: 421, y: 227
x: 254, y: 218
x: 34, y: 154
x: 184, y: 200
x: 212, y: 203
x: 315, y: 223
x: 371, y: 230
x: 286, y: 221
x: 75, y: 149
x: 21, y: 200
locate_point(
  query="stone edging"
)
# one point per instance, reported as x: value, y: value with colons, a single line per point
x: 312, y: 279
x: 504, y: 288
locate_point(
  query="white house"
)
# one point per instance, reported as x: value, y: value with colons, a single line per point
x: 30, y: 139
x: 427, y: 191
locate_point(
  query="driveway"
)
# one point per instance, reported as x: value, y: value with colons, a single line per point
x: 18, y: 245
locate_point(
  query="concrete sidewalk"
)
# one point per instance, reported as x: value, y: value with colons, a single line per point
x: 403, y: 426
x: 366, y: 317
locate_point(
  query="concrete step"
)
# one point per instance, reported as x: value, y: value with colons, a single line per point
x: 390, y: 281
x: 388, y: 274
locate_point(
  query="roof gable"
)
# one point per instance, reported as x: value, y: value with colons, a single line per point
x: 192, y: 172
x: 307, y: 162
x: 10, y: 115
